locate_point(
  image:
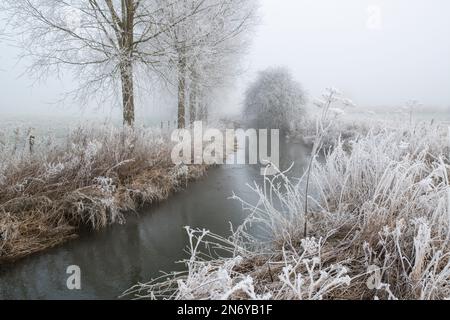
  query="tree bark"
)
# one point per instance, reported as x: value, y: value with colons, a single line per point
x: 193, y: 101
x: 126, y: 68
x: 127, y: 93
x: 182, y: 92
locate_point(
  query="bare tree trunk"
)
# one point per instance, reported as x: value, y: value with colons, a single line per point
x: 126, y: 68
x: 182, y: 92
x: 205, y: 113
x: 203, y: 110
x: 193, y: 101
x: 128, y: 94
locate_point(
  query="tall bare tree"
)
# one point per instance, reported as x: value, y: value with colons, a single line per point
x: 106, y: 43
x: 201, y: 47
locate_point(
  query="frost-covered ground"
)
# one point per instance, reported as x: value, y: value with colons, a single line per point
x: 378, y: 226
x: 57, y: 125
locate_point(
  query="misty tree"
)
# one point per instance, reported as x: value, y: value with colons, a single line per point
x: 215, y: 63
x: 203, y: 49
x: 275, y: 100
x: 410, y: 108
x: 107, y: 44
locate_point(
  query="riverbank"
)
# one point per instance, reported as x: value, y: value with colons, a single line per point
x: 51, y: 189
x: 119, y: 256
x: 378, y: 228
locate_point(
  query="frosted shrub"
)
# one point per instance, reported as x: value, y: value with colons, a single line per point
x: 275, y: 100
x: 180, y: 173
x: 306, y: 279
x: 52, y: 170
x: 106, y: 185
x: 203, y: 279
x: 315, y: 285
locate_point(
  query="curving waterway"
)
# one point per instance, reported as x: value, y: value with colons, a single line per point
x: 120, y: 256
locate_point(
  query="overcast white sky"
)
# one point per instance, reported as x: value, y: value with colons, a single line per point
x: 403, y: 53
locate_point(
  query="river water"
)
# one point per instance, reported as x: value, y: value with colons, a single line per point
x: 120, y: 256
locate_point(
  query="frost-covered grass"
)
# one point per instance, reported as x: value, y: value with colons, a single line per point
x: 378, y: 228
x: 51, y: 189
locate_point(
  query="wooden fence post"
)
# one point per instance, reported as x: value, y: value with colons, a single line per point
x: 31, y: 143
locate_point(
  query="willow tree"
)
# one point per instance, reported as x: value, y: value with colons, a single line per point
x: 105, y: 43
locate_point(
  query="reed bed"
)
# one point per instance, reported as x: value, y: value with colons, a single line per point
x: 378, y: 228
x: 51, y: 188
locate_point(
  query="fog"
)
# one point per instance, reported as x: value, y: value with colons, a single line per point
x: 378, y: 52
x: 406, y: 55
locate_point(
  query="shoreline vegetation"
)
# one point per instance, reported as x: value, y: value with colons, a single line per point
x: 378, y: 227
x: 51, y: 189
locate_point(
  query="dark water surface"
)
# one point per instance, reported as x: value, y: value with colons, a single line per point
x: 118, y: 257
